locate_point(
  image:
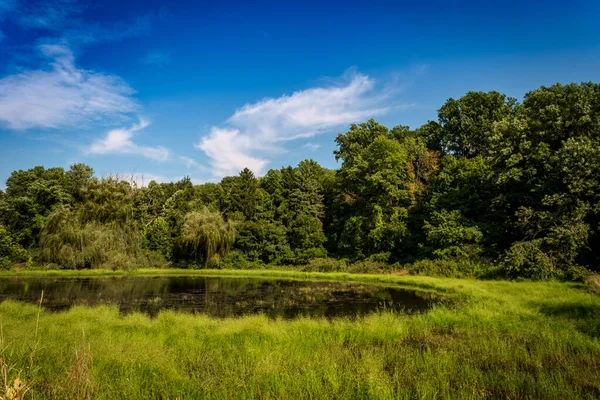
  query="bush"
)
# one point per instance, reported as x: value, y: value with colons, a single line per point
x: 116, y: 260
x: 380, y: 257
x: 156, y: 260
x: 528, y: 260
x: 5, y: 263
x: 449, y: 268
x: 304, y: 256
x: 577, y: 273
x: 325, y: 265
x: 235, y: 259
x: 368, y: 266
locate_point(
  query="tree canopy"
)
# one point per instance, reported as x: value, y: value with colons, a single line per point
x: 491, y: 181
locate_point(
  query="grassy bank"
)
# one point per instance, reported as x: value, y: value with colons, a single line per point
x: 504, y: 340
x: 424, y: 283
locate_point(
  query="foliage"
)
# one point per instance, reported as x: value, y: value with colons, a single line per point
x: 325, y: 265
x: 208, y: 234
x: 490, y: 181
x: 453, y: 268
x: 373, y: 181
x: 465, y: 125
x: 10, y: 251
x: 451, y: 237
x: 157, y: 237
x: 527, y: 259
x: 69, y: 241
x: 263, y: 241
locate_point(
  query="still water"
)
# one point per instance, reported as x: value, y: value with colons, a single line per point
x: 217, y: 297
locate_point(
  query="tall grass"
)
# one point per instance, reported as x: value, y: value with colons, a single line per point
x: 504, y: 340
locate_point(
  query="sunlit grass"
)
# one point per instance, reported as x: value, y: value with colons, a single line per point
x: 501, y: 340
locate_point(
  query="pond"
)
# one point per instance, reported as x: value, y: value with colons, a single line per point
x: 218, y: 297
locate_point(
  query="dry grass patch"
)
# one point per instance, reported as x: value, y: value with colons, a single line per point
x: 593, y: 281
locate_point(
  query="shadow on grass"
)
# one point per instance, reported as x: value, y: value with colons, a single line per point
x: 585, y: 316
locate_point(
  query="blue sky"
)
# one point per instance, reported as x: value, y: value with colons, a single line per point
x: 163, y: 90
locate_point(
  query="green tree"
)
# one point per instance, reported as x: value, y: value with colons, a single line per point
x: 158, y: 238
x: 373, y: 185
x: 546, y: 160
x: 30, y: 196
x: 70, y: 239
x: 465, y: 125
x: 209, y: 236
x: 10, y: 251
x: 449, y: 235
x: 241, y: 194
x: 264, y: 241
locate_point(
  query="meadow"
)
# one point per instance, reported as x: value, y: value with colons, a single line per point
x: 492, y: 339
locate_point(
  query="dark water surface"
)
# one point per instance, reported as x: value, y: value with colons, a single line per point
x: 216, y: 296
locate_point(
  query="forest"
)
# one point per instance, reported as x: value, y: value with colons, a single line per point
x: 495, y: 186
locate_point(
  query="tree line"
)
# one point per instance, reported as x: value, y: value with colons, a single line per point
x: 493, y: 186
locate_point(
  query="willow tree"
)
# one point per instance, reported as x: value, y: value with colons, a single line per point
x: 208, y: 234
x: 68, y: 240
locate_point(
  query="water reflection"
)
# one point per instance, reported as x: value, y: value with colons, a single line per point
x: 217, y: 297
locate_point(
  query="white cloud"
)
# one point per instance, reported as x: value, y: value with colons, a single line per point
x: 119, y: 141
x: 228, y: 150
x: 62, y: 96
x: 189, y: 162
x: 311, y: 146
x: 260, y: 129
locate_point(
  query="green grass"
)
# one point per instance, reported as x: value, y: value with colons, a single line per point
x: 502, y: 340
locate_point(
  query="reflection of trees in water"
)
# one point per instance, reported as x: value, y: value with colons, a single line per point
x: 219, y: 297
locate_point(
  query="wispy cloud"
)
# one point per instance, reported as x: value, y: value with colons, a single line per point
x: 311, y: 146
x: 62, y: 96
x: 90, y: 33
x: 157, y: 58
x: 260, y: 129
x: 188, y: 162
x: 49, y: 15
x: 62, y: 20
x: 119, y: 141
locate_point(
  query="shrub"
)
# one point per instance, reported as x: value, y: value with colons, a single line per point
x: 235, y: 259
x: 528, y: 260
x: 368, y: 266
x: 380, y: 257
x: 449, y: 268
x: 325, y: 265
